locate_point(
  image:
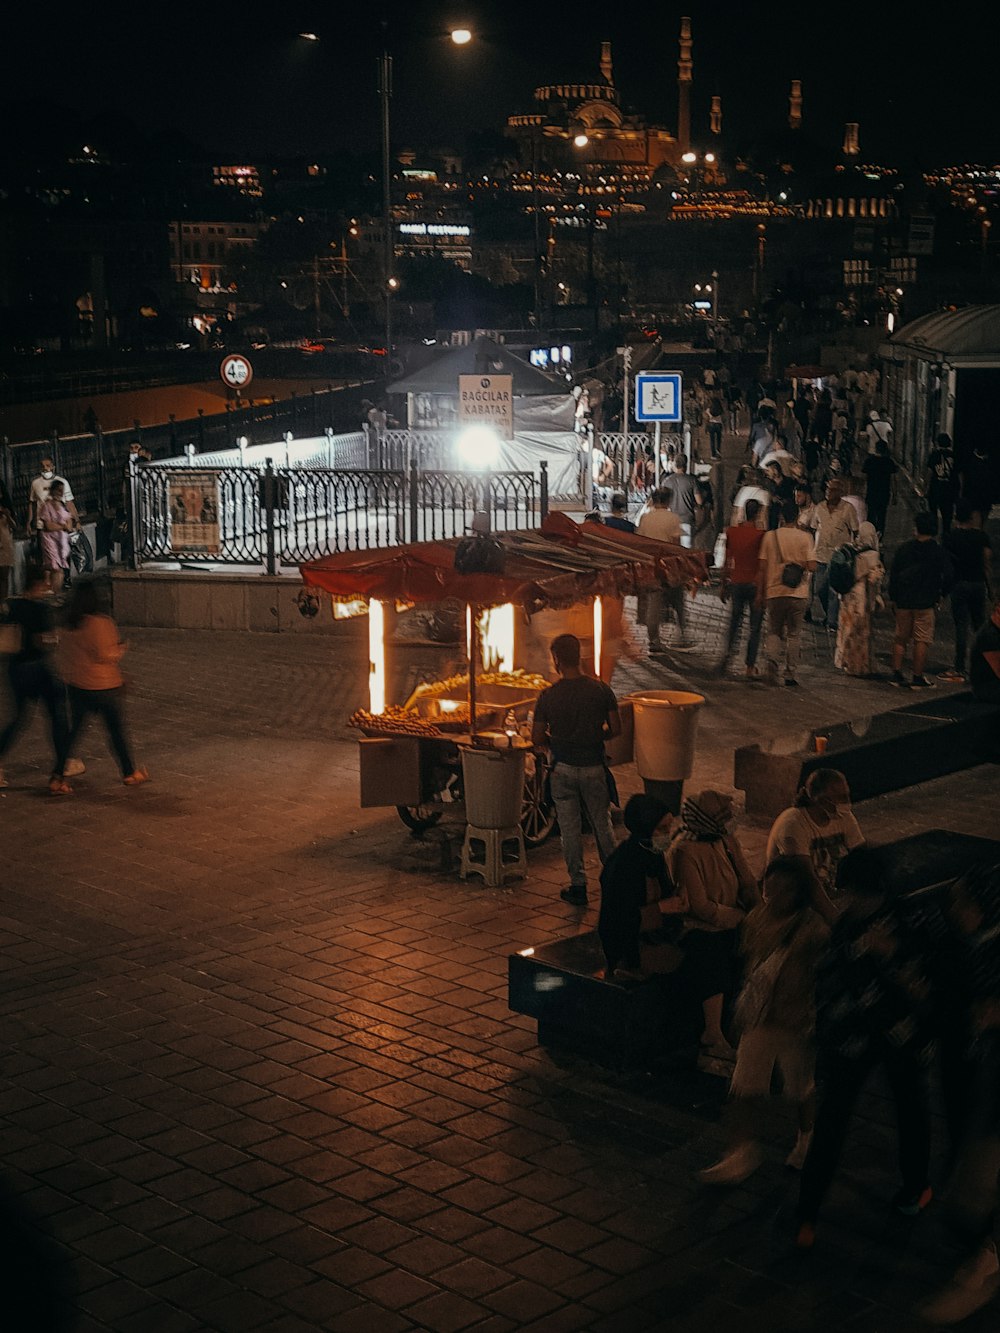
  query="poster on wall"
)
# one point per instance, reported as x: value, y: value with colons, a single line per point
x: 193, y: 499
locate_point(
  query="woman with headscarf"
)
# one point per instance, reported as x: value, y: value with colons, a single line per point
x: 634, y: 876
x: 710, y: 871
x: 855, y: 652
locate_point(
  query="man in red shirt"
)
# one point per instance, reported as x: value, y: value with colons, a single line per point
x: 739, y: 586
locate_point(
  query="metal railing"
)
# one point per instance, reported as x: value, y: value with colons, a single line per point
x: 95, y: 465
x: 272, y: 516
x: 623, y: 450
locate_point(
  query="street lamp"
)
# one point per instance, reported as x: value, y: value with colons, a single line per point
x: 580, y: 140
x: 461, y: 36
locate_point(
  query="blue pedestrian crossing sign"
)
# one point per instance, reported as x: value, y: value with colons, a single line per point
x: 659, y: 397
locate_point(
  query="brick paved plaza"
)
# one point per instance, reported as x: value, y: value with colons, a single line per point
x: 259, y: 1070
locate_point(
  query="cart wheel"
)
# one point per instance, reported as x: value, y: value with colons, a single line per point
x: 418, y: 818
x: 538, y: 813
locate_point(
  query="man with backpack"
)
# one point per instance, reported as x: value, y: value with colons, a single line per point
x: 835, y: 523
x: 919, y: 578
x: 941, y: 483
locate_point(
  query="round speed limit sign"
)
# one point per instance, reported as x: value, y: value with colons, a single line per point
x: 236, y: 371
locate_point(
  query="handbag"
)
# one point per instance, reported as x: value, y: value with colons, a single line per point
x: 792, y: 573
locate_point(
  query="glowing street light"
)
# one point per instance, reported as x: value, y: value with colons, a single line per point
x: 580, y: 140
x: 478, y: 447
x: 689, y: 157
x: 309, y: 36
x: 461, y: 36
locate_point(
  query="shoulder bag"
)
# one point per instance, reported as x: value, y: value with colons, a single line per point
x: 792, y: 573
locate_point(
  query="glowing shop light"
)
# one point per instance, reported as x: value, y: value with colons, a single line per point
x: 496, y: 628
x: 461, y: 36
x: 478, y: 447
x: 598, y: 634
x: 376, y: 657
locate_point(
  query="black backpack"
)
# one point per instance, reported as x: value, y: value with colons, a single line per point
x: 841, y: 569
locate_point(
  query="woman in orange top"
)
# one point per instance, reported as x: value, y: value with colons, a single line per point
x: 89, y: 653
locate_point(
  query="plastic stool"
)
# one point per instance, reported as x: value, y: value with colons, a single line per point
x: 494, y: 853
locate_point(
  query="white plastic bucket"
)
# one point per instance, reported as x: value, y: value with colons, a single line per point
x: 666, y: 722
x: 494, y: 787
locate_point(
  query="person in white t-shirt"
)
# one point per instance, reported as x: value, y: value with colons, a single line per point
x: 821, y: 829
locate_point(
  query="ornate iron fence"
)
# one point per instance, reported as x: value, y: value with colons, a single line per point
x: 253, y: 516
x: 623, y: 450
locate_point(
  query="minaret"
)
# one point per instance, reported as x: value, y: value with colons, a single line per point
x: 684, y: 88
x: 715, y: 116
x: 795, y: 105
x: 607, y: 69
x: 851, y: 146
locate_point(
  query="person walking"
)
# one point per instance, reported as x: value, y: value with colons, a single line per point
x: 835, y: 523
x: 685, y: 499
x: 980, y: 485
x: 738, y: 586
x: 41, y: 489
x: 970, y: 552
x: 89, y: 653
x: 941, y: 483
x: 918, y: 579
x: 880, y: 484
x: 776, y: 1011
x: 785, y: 561
x: 820, y: 830
x: 573, y: 719
x: 714, y: 421
x: 872, y: 1011
x: 32, y: 677
x: 855, y: 652
x: 662, y: 524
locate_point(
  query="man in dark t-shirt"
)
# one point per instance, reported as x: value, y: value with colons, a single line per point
x: 970, y: 551
x: 618, y: 518
x: 31, y: 675
x: 880, y: 489
x: 573, y: 718
x: 941, y: 482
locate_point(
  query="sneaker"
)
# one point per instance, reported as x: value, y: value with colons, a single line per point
x: 74, y: 767
x: 575, y: 894
x: 753, y: 673
x: 655, y: 646
x: 59, y: 787
x: 910, y: 1206
x: 899, y: 680
x: 973, y: 1286
x: 137, y: 778
x: 921, y: 683
x: 735, y: 1167
x: 797, y: 1157
x: 791, y: 682
x: 953, y: 677
x: 684, y: 645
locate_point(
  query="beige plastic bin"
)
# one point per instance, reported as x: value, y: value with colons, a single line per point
x: 666, y: 722
x: 494, y: 787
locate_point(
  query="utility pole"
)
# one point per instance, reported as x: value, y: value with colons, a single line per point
x: 316, y: 294
x: 385, y: 94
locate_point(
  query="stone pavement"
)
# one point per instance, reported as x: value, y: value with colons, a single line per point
x: 259, y: 1070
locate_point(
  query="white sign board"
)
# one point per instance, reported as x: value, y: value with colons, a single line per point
x: 236, y: 371
x: 487, y: 400
x: 659, y: 397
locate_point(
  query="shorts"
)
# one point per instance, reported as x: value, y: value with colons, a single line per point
x: 915, y: 625
x: 764, y: 1047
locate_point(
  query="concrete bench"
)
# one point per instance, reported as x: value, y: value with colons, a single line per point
x: 884, y: 752
x: 631, y: 1024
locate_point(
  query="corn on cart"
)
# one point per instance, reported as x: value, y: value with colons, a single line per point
x: 563, y: 576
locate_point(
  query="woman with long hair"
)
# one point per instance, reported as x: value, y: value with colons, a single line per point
x: 819, y: 829
x: 90, y: 651
x: 855, y: 651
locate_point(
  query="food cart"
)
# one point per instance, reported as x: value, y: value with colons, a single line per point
x: 411, y: 753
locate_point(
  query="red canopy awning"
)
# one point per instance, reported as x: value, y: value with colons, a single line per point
x: 557, y: 565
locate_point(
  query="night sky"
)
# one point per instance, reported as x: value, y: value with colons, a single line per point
x: 237, y: 81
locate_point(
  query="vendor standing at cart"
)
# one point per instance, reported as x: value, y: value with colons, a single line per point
x: 573, y: 719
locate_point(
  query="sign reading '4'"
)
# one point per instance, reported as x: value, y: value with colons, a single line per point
x: 236, y: 371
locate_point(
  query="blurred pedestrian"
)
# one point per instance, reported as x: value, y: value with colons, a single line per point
x: 714, y: 421
x: 31, y: 674
x: 880, y: 484
x: 634, y: 877
x: 855, y: 652
x: 8, y: 526
x: 781, y: 945
x: 984, y: 661
x: 618, y: 518
x: 872, y: 1010
x: 941, y: 483
x: 784, y: 564
x: 970, y: 551
x: 835, y: 523
x: 662, y: 524
x: 89, y: 655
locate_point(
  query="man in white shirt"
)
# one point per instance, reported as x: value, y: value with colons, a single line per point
x: 786, y: 561
x: 878, y: 428
x: 661, y: 524
x: 835, y: 523
x: 39, y: 493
